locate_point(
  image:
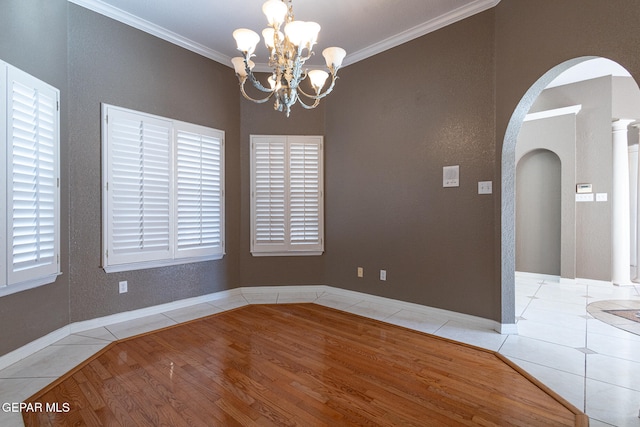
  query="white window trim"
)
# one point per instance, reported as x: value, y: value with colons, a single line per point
x: 31, y: 277
x: 286, y: 248
x: 173, y: 257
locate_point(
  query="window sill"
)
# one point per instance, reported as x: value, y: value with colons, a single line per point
x: 30, y: 284
x: 156, y: 264
x: 287, y: 253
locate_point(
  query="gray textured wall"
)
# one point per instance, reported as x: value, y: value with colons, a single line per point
x: 113, y: 63
x: 395, y: 121
x: 33, y: 38
x: 389, y: 130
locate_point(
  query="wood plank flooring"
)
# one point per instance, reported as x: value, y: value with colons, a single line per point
x: 297, y: 364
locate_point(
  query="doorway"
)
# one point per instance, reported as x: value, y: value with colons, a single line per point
x: 538, y: 213
x: 583, y: 253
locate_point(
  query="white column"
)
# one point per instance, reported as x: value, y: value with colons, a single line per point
x: 633, y: 204
x: 620, y: 242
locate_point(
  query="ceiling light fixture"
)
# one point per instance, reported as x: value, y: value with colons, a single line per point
x: 288, y: 52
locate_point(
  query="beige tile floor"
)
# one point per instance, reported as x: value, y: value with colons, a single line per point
x: 590, y: 363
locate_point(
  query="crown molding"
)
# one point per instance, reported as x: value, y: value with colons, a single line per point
x: 420, y: 30
x: 151, y: 28
x: 120, y: 15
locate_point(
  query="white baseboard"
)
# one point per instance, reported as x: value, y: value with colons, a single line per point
x: 537, y: 276
x: 289, y: 289
x: 33, y: 347
x: 76, y: 327
x: 566, y: 281
x: 595, y: 282
x: 85, y: 325
x: 507, y: 328
x: 468, y: 319
x: 563, y: 280
x: 99, y: 322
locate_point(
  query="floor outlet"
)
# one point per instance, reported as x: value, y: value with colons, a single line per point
x: 123, y: 286
x: 383, y: 274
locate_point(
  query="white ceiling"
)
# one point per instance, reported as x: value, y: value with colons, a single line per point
x: 362, y: 27
x: 590, y: 69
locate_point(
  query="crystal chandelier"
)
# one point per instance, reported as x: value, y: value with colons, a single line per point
x: 288, y: 52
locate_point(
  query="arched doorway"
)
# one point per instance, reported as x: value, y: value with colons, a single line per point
x: 539, y: 208
x: 508, y: 218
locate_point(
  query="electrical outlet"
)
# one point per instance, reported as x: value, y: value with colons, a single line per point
x: 360, y: 272
x: 383, y: 274
x: 123, y: 286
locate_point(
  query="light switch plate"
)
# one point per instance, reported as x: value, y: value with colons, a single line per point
x: 485, y: 187
x: 584, y: 197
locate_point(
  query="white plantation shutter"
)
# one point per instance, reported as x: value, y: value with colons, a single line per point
x: 199, y: 190
x: 286, y: 195
x: 139, y: 187
x: 32, y: 179
x: 4, y: 206
x: 163, y: 191
x: 269, y: 192
x: 305, y: 194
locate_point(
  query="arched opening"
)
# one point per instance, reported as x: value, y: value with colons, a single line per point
x: 579, y: 266
x: 538, y: 218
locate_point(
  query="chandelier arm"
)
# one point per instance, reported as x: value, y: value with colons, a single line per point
x: 251, y: 77
x: 325, y: 93
x: 257, y: 84
x: 257, y: 101
x: 308, y: 107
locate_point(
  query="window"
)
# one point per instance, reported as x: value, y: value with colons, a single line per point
x: 287, y: 208
x: 30, y: 184
x: 163, y: 191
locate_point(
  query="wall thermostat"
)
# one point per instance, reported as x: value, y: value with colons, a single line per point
x: 584, y: 188
x: 451, y: 176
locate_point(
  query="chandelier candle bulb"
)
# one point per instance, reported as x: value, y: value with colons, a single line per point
x: 275, y: 11
x: 295, y: 32
x: 334, y: 56
x: 318, y: 79
x: 246, y: 40
x: 312, y: 29
x: 288, y: 53
x: 268, y: 34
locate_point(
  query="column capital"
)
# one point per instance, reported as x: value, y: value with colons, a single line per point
x: 621, y: 124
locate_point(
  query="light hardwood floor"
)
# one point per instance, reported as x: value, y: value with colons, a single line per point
x: 297, y: 364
